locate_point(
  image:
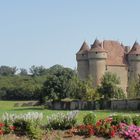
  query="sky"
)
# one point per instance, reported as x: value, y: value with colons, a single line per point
x: 49, y: 32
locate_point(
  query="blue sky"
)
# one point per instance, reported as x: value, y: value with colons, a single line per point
x: 48, y: 32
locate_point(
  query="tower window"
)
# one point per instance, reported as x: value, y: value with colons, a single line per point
x: 106, y: 67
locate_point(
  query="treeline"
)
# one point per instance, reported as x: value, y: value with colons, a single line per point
x: 24, y: 85
x: 57, y: 83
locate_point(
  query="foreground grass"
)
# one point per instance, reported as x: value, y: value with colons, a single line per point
x: 9, y: 106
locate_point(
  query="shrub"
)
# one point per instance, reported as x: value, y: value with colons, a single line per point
x: 86, y: 130
x: 90, y: 118
x: 8, y: 128
x: 131, y: 132
x: 105, y: 128
x: 28, y: 128
x: 24, y: 124
x: 117, y: 119
x: 136, y: 120
x: 127, y: 119
x: 62, y: 121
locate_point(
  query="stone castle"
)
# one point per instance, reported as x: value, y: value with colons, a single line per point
x: 109, y: 56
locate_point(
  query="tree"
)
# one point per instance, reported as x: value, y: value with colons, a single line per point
x: 7, y: 71
x: 91, y: 93
x: 56, y: 87
x: 109, y: 87
x: 82, y: 90
x: 37, y: 70
x: 23, y: 72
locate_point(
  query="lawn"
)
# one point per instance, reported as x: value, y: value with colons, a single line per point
x: 8, y: 106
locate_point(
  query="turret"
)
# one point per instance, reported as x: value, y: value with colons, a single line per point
x: 82, y: 61
x: 134, y: 62
x: 97, y: 61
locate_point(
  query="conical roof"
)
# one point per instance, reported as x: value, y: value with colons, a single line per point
x: 84, y: 48
x: 97, y: 47
x: 135, y: 49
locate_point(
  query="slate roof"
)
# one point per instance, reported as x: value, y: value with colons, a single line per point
x: 97, y: 47
x: 84, y: 48
x: 135, y: 49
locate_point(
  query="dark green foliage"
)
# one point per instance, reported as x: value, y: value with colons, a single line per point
x: 37, y: 70
x: 136, y: 120
x: 56, y: 87
x: 109, y: 87
x: 127, y: 120
x: 121, y: 119
x: 90, y: 118
x: 20, y: 87
x: 82, y: 89
x: 23, y: 72
x: 116, y: 119
x: 27, y: 128
x: 7, y: 71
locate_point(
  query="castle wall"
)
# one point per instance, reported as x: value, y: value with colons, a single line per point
x: 134, y: 67
x: 122, y: 73
x: 83, y: 69
x: 97, y: 70
x: 97, y: 62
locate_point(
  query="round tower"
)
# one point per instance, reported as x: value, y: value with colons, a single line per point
x: 97, y: 61
x: 82, y: 61
x: 134, y: 62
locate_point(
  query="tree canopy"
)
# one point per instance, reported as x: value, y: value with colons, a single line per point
x: 109, y: 87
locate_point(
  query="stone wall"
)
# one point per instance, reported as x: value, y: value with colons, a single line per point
x: 95, y: 105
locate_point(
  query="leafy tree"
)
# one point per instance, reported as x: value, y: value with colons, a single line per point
x: 109, y: 87
x: 23, y: 72
x: 6, y: 70
x: 57, y: 84
x: 77, y: 88
x: 82, y: 89
x: 37, y: 70
x: 91, y: 93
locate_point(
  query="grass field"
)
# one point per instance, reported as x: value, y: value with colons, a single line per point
x: 8, y: 106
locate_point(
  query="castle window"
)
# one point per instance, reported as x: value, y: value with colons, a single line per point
x: 106, y: 67
x: 96, y: 52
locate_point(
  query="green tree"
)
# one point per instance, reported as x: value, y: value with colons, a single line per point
x: 23, y: 72
x: 83, y: 89
x: 6, y: 70
x: 56, y: 87
x: 109, y: 87
x: 37, y: 70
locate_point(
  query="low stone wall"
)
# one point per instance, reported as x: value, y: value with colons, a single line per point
x: 95, y: 105
x: 133, y: 104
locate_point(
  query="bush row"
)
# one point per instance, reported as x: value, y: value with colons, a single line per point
x: 29, y: 125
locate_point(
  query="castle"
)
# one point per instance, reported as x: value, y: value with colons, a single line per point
x: 109, y: 56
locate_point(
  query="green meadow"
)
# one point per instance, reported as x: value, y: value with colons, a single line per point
x: 9, y: 106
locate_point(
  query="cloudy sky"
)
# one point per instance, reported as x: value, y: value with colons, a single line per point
x: 48, y: 32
